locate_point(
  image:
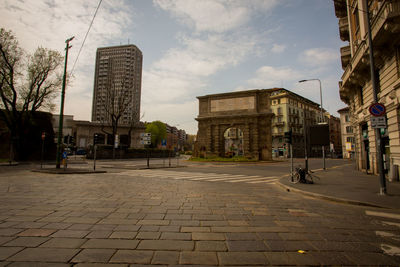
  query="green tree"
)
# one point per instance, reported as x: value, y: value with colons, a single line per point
x: 158, y: 132
x: 28, y: 83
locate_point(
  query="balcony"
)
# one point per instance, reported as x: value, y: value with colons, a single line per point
x: 340, y: 8
x: 279, y: 124
x: 385, y: 25
x: 345, y: 55
x: 344, y: 29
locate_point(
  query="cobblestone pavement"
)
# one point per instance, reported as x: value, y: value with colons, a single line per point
x: 127, y: 220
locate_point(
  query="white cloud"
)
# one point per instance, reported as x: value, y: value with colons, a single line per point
x: 278, y: 48
x: 183, y: 72
x: 269, y: 76
x: 319, y: 56
x: 214, y: 15
x: 50, y: 23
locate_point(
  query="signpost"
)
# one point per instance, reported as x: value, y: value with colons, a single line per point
x: 377, y: 110
x: 145, y: 139
x: 41, y: 157
x: 164, y: 145
x: 378, y: 122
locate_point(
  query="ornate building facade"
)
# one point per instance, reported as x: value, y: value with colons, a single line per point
x: 356, y: 88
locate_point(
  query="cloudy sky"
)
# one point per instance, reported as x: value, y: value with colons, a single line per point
x: 190, y: 48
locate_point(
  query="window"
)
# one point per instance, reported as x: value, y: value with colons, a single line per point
x: 361, y: 96
x: 279, y: 110
x: 398, y: 60
x: 378, y: 80
x: 349, y: 129
x: 356, y: 19
x: 346, y: 118
x: 350, y: 139
x: 279, y: 101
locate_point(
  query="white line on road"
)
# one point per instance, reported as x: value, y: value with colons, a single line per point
x: 382, y: 214
x: 252, y: 179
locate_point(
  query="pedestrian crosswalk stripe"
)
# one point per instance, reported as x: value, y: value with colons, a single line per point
x: 263, y: 182
x: 382, y: 214
x: 206, y: 177
x: 251, y: 179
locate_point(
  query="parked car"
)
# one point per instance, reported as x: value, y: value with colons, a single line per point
x: 81, y: 152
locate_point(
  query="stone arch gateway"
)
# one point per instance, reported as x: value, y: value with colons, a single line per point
x: 248, y: 111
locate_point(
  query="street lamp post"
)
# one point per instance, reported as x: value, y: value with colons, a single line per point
x: 321, y: 113
x: 60, y: 123
x: 378, y: 137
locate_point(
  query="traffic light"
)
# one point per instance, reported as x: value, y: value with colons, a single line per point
x: 288, y: 137
x: 72, y: 140
x: 95, y: 139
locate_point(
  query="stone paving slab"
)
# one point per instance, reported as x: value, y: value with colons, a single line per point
x: 106, y: 220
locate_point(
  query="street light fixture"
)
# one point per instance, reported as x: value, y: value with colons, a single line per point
x: 322, y: 120
x: 320, y: 94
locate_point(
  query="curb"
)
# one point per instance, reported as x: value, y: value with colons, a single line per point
x: 142, y: 167
x: 14, y: 163
x: 61, y: 171
x: 329, y: 198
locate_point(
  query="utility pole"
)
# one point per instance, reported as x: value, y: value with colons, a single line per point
x: 378, y: 137
x: 61, y: 117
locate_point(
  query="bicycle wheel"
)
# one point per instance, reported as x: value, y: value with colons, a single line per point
x: 295, y: 177
x: 309, y: 178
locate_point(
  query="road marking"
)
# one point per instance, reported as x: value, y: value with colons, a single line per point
x: 205, y: 177
x: 390, y: 250
x: 391, y: 223
x: 252, y: 179
x: 383, y: 214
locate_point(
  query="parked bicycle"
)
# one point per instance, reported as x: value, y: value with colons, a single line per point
x: 301, y: 175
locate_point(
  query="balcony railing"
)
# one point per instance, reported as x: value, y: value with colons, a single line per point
x: 387, y: 15
x: 345, y: 55
x: 281, y: 123
x: 344, y: 29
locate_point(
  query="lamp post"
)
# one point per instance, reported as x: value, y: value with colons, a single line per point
x: 60, y: 123
x: 378, y: 138
x: 321, y: 113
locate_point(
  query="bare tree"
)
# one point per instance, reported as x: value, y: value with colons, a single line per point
x: 23, y: 92
x: 116, y: 101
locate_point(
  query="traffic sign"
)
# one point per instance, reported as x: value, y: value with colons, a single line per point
x: 145, y: 138
x: 145, y: 142
x: 377, y: 109
x: 378, y: 122
x: 64, y: 155
x: 145, y: 134
x: 164, y: 142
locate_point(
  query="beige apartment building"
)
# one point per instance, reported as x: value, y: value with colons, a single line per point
x: 348, y: 140
x: 294, y: 112
x: 356, y: 88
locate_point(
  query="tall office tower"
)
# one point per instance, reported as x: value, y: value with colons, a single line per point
x: 117, y: 84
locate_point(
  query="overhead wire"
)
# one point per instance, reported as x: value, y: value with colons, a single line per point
x: 84, y: 40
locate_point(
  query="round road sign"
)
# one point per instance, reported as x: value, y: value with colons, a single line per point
x: 377, y: 109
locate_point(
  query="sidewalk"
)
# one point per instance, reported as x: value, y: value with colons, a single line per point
x: 347, y: 185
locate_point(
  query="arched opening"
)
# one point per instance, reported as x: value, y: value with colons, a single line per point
x: 233, y: 142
